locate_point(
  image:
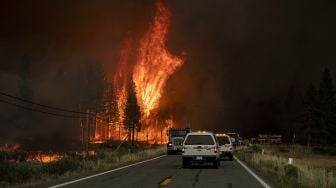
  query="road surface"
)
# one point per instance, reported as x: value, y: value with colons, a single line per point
x: 167, y: 172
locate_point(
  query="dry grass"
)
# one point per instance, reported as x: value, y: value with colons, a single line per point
x: 308, y: 169
x: 105, y: 160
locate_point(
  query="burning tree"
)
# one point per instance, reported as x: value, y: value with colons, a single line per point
x: 132, y: 111
x: 152, y: 64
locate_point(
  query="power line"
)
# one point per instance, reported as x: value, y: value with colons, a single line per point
x: 36, y: 110
x: 46, y: 106
x: 38, y: 104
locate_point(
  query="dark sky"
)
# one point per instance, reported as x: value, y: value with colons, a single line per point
x: 239, y: 53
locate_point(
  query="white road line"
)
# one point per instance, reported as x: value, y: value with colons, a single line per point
x: 252, y: 173
x: 106, y: 172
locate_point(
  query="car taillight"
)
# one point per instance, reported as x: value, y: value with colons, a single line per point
x: 183, y: 149
x: 216, y: 150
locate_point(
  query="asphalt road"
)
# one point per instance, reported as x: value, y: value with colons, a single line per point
x: 167, y: 171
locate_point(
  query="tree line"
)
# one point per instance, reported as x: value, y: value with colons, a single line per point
x: 319, y: 112
x: 305, y: 115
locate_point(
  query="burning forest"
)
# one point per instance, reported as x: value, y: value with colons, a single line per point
x: 116, y: 104
x: 148, y: 67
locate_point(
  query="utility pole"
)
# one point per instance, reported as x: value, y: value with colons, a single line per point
x: 81, y: 128
x: 87, y: 131
x: 119, y: 131
x: 155, y: 131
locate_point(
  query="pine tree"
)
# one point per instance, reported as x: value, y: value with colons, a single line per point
x: 132, y: 111
x: 310, y: 115
x: 112, y: 113
x: 327, y: 108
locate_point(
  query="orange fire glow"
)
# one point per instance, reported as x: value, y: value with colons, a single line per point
x: 7, y: 147
x: 153, y: 66
x: 154, y: 63
x: 120, y: 79
x: 45, y: 158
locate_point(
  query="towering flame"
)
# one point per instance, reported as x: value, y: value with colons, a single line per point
x: 154, y: 64
x: 120, y: 79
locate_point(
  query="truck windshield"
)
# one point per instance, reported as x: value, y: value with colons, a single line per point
x: 223, y: 140
x: 199, y: 140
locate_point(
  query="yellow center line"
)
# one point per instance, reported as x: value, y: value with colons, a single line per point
x: 165, y: 182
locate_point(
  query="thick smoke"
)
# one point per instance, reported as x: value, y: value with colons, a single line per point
x: 246, y: 60
x: 243, y: 59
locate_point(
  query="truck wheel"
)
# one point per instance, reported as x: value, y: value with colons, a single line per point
x: 231, y: 157
x: 185, y: 163
x: 216, y: 163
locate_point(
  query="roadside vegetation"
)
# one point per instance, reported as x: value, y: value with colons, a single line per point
x: 311, y: 167
x: 21, y: 173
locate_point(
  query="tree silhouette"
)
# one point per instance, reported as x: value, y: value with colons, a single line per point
x: 319, y: 118
x: 132, y: 111
x: 327, y: 108
x: 310, y: 114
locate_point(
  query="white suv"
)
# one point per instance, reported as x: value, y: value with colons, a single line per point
x: 200, y: 147
x: 225, y: 146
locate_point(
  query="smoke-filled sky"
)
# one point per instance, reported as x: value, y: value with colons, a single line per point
x: 238, y: 54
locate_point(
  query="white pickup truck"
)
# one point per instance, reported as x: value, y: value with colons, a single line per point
x: 200, y: 148
x: 225, y: 146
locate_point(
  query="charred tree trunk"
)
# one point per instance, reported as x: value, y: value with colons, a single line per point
x: 133, y: 128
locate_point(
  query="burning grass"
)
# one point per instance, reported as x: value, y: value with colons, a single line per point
x: 308, y: 170
x: 30, y: 173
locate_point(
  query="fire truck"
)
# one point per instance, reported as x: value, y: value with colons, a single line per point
x: 267, y: 139
x: 176, y: 137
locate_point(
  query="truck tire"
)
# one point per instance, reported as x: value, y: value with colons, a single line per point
x: 185, y: 163
x: 231, y: 157
x: 216, y: 164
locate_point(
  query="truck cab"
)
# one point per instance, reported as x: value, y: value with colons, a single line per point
x: 176, y: 137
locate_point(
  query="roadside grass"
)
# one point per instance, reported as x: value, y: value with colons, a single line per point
x: 24, y: 174
x: 308, y: 169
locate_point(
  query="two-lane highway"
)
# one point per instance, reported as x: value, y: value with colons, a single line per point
x: 166, y: 171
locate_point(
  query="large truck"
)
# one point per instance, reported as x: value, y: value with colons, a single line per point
x: 176, y: 137
x: 234, y: 138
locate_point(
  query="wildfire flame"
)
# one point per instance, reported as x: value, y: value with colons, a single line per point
x: 45, y: 158
x: 120, y: 79
x: 153, y: 66
x: 154, y: 63
x: 8, y: 148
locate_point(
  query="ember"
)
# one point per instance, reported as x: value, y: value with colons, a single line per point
x: 44, y: 157
x: 7, y: 147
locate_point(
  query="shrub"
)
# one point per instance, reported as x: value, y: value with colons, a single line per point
x: 291, y: 176
x: 16, y: 173
x: 23, y: 172
x: 62, y: 166
x: 254, y: 149
x: 324, y: 150
x: 6, y: 172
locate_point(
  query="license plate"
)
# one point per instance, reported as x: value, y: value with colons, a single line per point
x: 199, y: 157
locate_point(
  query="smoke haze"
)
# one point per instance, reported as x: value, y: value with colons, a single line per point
x: 243, y: 58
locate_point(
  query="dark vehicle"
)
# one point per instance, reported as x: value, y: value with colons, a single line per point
x: 176, y: 137
x: 234, y: 138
